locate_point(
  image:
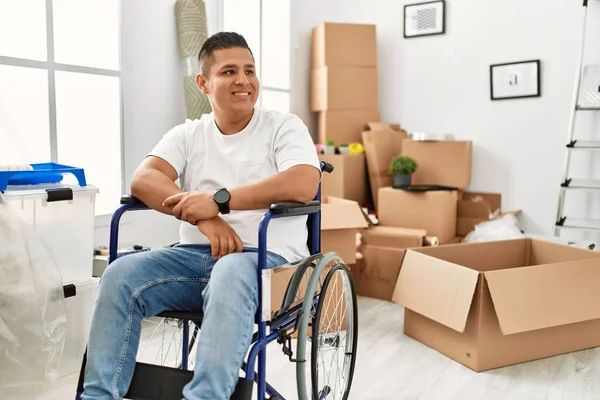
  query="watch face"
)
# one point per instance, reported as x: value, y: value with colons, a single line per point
x: 222, y: 196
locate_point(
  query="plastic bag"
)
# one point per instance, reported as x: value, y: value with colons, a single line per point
x: 504, y: 228
x: 32, y: 310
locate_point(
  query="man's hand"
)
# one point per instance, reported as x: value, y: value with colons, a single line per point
x: 223, y: 239
x: 192, y: 207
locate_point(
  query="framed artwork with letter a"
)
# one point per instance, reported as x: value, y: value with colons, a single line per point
x: 515, y: 80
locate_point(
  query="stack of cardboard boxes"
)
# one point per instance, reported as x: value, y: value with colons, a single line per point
x: 344, y: 94
x: 485, y: 305
x: 444, y: 168
x: 425, y: 215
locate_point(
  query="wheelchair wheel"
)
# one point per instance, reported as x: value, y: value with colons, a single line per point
x: 330, y: 347
x: 162, y: 343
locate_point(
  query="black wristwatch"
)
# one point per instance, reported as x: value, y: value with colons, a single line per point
x: 222, y: 197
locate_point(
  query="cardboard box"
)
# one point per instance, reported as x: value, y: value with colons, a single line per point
x: 389, y: 236
x: 340, y: 221
x: 474, y: 208
x: 445, y: 162
x: 338, y: 44
x: 383, y: 250
x: 456, y: 240
x: 375, y: 276
x: 343, y: 126
x: 344, y: 88
x: 382, y: 142
x: 477, y: 207
x: 348, y: 179
x: 492, y: 304
x: 434, y: 211
x: 278, y: 279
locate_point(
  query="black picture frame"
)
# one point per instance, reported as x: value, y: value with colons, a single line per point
x: 537, y: 92
x: 443, y: 30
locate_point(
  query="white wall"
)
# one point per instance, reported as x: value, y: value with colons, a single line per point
x: 441, y: 84
x: 153, y: 103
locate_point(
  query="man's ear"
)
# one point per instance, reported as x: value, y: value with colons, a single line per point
x: 201, y: 81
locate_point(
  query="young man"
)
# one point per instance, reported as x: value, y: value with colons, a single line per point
x: 232, y: 164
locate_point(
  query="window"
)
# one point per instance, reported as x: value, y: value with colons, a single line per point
x: 60, y: 89
x: 266, y: 26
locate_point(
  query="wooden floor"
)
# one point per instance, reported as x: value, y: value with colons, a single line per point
x: 393, y: 366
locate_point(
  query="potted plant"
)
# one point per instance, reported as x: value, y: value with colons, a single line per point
x: 402, y: 168
x: 344, y: 148
x: 330, y: 147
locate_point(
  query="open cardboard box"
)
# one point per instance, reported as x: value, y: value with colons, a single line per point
x: 493, y: 304
x: 340, y: 221
x: 476, y: 207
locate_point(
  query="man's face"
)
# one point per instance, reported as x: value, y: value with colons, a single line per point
x: 231, y: 84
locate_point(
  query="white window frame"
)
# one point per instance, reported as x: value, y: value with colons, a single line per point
x: 52, y: 67
x: 220, y: 27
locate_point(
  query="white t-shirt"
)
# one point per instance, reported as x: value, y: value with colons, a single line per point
x: 205, y: 159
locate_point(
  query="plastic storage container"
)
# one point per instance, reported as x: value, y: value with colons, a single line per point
x: 63, y: 217
x: 79, y: 317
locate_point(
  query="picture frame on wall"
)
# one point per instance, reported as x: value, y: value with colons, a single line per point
x: 425, y: 19
x: 515, y: 80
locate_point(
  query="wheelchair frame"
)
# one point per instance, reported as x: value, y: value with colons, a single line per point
x: 179, y: 377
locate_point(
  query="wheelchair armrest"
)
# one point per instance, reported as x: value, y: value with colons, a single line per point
x: 291, y: 208
x: 326, y: 167
x: 129, y: 199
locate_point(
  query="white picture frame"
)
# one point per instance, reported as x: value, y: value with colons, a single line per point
x: 425, y: 19
x: 515, y: 80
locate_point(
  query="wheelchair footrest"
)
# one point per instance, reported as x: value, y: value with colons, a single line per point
x: 243, y: 390
x: 155, y: 382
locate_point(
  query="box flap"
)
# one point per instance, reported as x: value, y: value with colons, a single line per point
x: 381, y: 146
x: 436, y: 289
x: 546, y: 252
x: 337, y: 213
x: 543, y: 296
x: 483, y: 256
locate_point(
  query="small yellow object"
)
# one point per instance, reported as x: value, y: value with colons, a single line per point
x: 356, y: 148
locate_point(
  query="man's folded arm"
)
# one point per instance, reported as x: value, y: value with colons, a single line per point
x: 298, y: 180
x: 154, y: 181
x: 299, y: 183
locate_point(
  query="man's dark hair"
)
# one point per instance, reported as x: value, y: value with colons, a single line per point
x: 218, y: 41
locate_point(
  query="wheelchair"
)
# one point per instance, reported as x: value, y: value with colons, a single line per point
x: 321, y: 339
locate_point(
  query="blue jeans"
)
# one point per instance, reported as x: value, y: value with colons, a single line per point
x: 182, y: 278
